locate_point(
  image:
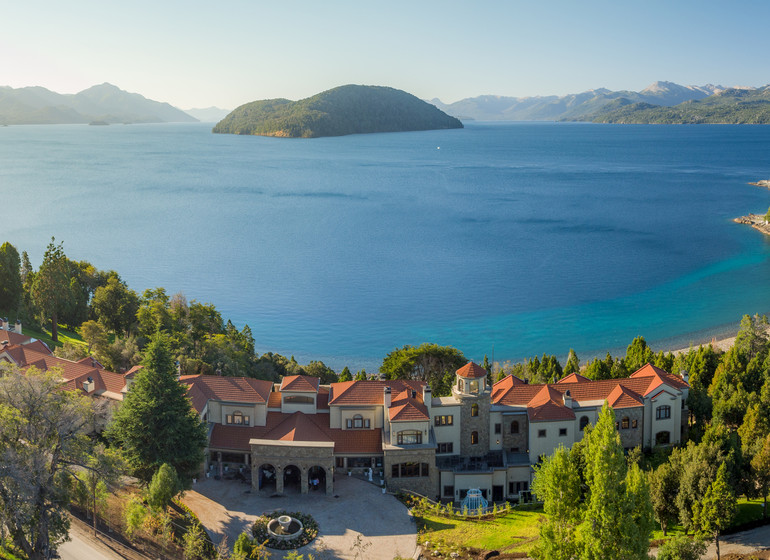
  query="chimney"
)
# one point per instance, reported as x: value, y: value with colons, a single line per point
x: 385, y: 407
x: 426, y: 397
x: 386, y: 397
x: 414, y: 394
x: 685, y: 376
x: 4, y: 323
x: 567, y: 399
x: 88, y: 385
x: 16, y: 327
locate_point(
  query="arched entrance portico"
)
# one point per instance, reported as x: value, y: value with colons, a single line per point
x: 316, y: 477
x: 292, y: 479
x: 296, y: 464
x: 266, y: 478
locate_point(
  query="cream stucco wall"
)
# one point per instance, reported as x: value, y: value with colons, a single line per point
x: 396, y: 427
x: 445, y: 433
x: 218, y: 411
x: 373, y: 414
x: 546, y: 445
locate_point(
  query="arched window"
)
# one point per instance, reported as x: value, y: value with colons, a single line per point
x: 474, y: 438
x: 624, y: 423
x: 358, y: 421
x: 514, y: 427
x: 583, y: 422
x: 408, y: 437
x: 460, y: 385
x: 237, y: 418
x: 475, y: 410
x: 663, y: 412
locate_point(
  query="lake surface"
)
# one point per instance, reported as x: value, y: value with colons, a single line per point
x: 503, y: 239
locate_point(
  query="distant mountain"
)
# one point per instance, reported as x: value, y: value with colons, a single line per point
x: 576, y: 106
x: 728, y: 106
x: 349, y: 109
x: 105, y: 102
x: 209, y: 114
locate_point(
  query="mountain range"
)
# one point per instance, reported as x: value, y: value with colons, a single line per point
x: 105, y: 103
x: 578, y: 106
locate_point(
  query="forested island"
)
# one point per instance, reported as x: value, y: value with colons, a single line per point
x: 350, y: 109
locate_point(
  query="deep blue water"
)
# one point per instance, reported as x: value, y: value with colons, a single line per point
x: 516, y: 239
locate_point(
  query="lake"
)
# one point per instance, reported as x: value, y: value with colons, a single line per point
x: 505, y: 239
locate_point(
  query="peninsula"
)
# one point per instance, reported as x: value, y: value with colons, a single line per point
x: 759, y: 222
x: 350, y: 109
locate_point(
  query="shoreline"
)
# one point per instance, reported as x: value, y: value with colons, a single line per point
x: 757, y: 221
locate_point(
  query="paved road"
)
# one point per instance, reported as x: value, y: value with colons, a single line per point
x: 81, y: 549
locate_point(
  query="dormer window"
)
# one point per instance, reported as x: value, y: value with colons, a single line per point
x: 358, y: 422
x: 409, y: 437
x: 237, y: 418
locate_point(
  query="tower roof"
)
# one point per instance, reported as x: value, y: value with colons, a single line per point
x: 472, y: 371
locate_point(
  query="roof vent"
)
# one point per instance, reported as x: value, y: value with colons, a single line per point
x: 89, y: 385
x: 568, y: 393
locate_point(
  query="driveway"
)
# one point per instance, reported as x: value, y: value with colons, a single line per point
x: 357, y: 508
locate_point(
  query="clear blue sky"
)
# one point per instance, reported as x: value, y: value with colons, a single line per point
x: 228, y: 52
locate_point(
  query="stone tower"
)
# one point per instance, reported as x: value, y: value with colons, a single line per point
x: 472, y: 392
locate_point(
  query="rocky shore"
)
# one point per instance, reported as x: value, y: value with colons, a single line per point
x: 762, y: 183
x: 757, y: 221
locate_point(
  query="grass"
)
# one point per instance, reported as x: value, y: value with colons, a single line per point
x: 64, y: 336
x: 746, y: 512
x: 516, y: 531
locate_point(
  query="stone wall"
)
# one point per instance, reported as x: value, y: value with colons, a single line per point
x: 511, y: 440
x: 425, y: 485
x: 282, y: 456
x: 469, y: 424
x: 630, y: 437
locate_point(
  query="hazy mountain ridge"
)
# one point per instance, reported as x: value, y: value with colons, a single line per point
x: 105, y: 102
x: 578, y: 106
x: 208, y: 114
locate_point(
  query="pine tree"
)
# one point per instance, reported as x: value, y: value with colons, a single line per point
x: 156, y: 423
x: 52, y: 290
x: 715, y: 513
x: 557, y: 484
x: 10, y: 280
x: 573, y: 363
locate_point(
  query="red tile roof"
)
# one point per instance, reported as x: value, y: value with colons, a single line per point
x: 233, y: 389
x: 368, y: 393
x: 13, y: 338
x: 300, y: 383
x: 548, y: 404
x: 405, y: 408
x: 573, y: 378
x: 472, y: 371
x: 297, y: 427
x: 623, y: 392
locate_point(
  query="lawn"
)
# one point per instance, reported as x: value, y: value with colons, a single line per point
x: 64, y: 336
x: 746, y: 512
x: 516, y: 531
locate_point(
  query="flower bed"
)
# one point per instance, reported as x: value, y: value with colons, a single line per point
x: 309, y: 532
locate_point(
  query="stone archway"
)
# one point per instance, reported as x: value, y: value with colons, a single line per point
x: 266, y: 477
x: 292, y: 478
x: 316, y: 476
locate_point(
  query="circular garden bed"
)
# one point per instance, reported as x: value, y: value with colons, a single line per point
x: 309, y: 531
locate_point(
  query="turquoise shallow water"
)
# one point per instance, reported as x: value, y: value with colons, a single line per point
x: 516, y: 239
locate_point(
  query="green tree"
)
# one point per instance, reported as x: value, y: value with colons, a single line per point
x: 163, y: 487
x: 638, y: 354
x: 681, y: 548
x: 573, y: 363
x: 115, y: 305
x: 752, y: 335
x: 616, y: 519
x: 156, y: 423
x: 557, y: 485
x: 715, y: 513
x: 10, y: 280
x: 345, y: 375
x: 94, y: 335
x: 194, y: 543
x: 43, y: 444
x: 760, y: 466
x: 318, y: 369
x: 52, y: 289
x: 664, y: 487
x: 103, y: 468
x: 430, y: 363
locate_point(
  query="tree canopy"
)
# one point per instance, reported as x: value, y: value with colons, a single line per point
x: 156, y: 423
x: 431, y: 363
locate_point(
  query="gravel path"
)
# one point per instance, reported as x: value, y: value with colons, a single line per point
x: 386, y: 528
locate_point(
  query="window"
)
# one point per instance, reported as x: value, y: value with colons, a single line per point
x: 474, y: 386
x: 475, y: 410
x: 541, y: 433
x: 237, y: 418
x: 410, y: 470
x: 514, y: 427
x: 562, y: 432
x: 625, y: 422
x: 498, y: 428
x: 446, y: 420
x: 634, y: 424
x: 446, y: 447
x: 474, y: 438
x: 516, y: 487
x: 357, y: 422
x: 662, y: 438
x: 663, y: 412
x: 298, y: 399
x: 408, y: 437
x: 514, y: 449
x: 449, y: 491
x: 583, y: 422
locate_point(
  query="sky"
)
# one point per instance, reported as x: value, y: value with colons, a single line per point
x: 196, y: 54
